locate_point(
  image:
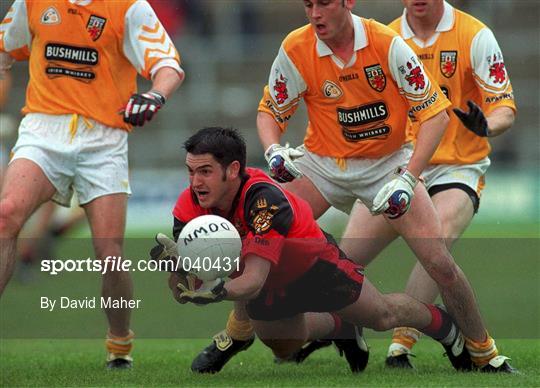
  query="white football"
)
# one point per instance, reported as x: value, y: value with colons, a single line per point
x: 209, y: 247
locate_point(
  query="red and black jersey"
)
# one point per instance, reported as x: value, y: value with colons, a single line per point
x: 274, y: 224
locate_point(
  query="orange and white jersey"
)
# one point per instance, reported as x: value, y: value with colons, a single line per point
x: 356, y: 110
x: 464, y: 58
x: 84, y: 55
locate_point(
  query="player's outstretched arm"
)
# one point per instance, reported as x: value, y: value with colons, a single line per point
x: 500, y: 120
x: 496, y: 123
x: 248, y: 285
x: 245, y: 287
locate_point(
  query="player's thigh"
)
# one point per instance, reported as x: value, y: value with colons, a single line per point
x: 107, y: 219
x: 365, y: 235
x: 24, y: 189
x: 421, y: 220
x: 421, y: 229
x: 306, y: 189
x: 455, y: 210
x: 370, y: 310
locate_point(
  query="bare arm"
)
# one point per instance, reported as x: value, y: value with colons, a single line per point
x: 167, y: 80
x: 500, y: 120
x: 248, y: 285
x: 268, y: 129
x: 429, y: 137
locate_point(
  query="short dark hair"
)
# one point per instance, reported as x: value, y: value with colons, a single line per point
x: 225, y: 144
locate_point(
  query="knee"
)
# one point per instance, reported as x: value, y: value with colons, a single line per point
x: 283, y: 348
x: 10, y: 221
x: 385, y: 320
x: 110, y: 248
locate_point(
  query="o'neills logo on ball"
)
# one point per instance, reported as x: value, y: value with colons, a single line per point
x: 205, y: 231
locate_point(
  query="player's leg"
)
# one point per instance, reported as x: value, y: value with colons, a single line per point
x: 286, y: 336
x: 32, y: 245
x: 455, y: 209
x: 107, y: 219
x: 422, y: 230
x: 237, y: 336
x: 365, y: 235
x: 383, y: 312
x: 306, y: 189
x: 24, y: 189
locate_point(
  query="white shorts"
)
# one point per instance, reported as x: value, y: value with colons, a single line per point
x: 467, y: 177
x: 471, y: 175
x: 91, y: 159
x: 361, y: 179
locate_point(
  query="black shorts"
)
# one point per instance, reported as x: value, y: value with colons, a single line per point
x: 329, y: 285
x: 468, y: 190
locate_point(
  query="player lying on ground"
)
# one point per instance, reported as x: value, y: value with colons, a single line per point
x: 296, y: 283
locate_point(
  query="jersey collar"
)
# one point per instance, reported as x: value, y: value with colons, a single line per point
x: 80, y: 2
x: 445, y: 24
x: 360, y: 38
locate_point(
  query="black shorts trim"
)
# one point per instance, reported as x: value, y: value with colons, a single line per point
x: 467, y: 189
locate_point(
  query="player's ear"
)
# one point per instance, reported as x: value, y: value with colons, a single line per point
x: 233, y: 170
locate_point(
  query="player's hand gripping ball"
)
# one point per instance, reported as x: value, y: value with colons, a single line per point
x: 209, y: 247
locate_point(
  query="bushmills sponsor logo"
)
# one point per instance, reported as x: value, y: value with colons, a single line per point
x: 71, y: 54
x: 362, y: 115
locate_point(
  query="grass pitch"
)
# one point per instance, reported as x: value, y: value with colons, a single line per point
x: 167, y: 363
x: 64, y: 347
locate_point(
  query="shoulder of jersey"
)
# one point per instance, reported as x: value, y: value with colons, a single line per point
x: 300, y: 38
x: 396, y: 25
x: 379, y: 30
x: 468, y: 23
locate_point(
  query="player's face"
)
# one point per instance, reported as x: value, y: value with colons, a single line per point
x: 422, y: 8
x: 210, y: 182
x: 328, y: 18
